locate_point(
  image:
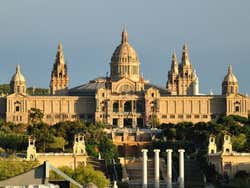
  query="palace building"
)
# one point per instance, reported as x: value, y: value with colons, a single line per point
x: 124, y: 98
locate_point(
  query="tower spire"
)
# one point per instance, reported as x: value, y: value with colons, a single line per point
x: 185, y: 56
x: 174, y: 66
x: 124, y: 35
x: 230, y: 69
x: 59, y: 76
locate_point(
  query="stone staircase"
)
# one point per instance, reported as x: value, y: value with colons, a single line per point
x: 134, y: 170
x: 97, y: 164
x: 193, y: 174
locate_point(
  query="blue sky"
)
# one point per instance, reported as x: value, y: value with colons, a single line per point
x: 217, y: 33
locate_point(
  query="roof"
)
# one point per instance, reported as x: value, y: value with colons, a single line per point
x: 162, y: 90
x: 88, y: 88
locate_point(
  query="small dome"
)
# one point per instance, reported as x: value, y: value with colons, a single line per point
x: 18, y: 76
x: 230, y: 77
x: 124, y: 53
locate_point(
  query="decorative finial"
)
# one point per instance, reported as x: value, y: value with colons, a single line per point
x: 18, y: 69
x: 60, y: 46
x: 124, y: 35
x: 185, y: 47
x: 174, y: 57
x: 230, y: 69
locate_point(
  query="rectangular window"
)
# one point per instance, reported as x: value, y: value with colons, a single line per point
x: 164, y: 116
x: 17, y: 108
x: 196, y: 116
x: 172, y: 116
x: 204, y: 116
x: 180, y: 116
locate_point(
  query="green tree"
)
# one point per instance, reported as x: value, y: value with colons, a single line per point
x: 4, y: 89
x: 84, y: 175
x: 35, y: 115
x: 58, y: 143
x: 42, y: 134
x: 239, y: 142
x: 10, y: 167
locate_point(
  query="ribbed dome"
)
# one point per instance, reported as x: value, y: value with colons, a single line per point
x: 230, y: 77
x: 124, y: 61
x: 124, y: 53
x: 18, y: 76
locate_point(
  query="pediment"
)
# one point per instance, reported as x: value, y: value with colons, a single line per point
x: 124, y: 86
x: 17, y: 95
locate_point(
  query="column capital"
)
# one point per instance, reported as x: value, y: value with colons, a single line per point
x: 181, y: 150
x: 144, y: 150
x: 157, y: 150
x: 169, y: 150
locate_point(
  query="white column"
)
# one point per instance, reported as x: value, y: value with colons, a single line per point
x: 181, y: 167
x: 144, y: 168
x: 169, y: 167
x: 157, y: 168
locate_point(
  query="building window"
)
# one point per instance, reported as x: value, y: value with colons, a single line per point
x: 152, y: 94
x: 188, y: 116
x: 115, y: 107
x: 204, y: 116
x: 164, y: 116
x: 172, y: 116
x: 115, y: 121
x: 196, y: 116
x: 17, y: 108
x: 237, y: 108
x: 128, y: 106
x: 180, y: 116
x: 139, y: 106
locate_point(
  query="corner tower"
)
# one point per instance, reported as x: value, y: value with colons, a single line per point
x: 230, y: 83
x: 59, y: 76
x: 182, y: 80
x: 18, y: 82
x: 124, y: 61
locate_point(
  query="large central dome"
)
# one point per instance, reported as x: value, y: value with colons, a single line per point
x: 124, y: 61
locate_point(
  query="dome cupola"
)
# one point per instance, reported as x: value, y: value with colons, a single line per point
x: 18, y: 82
x: 124, y: 61
x: 230, y: 83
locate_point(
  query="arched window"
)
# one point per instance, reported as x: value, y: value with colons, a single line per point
x: 128, y: 106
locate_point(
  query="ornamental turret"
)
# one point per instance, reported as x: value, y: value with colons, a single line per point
x: 172, y: 83
x: 18, y: 82
x: 195, y: 84
x: 230, y: 83
x: 59, y: 76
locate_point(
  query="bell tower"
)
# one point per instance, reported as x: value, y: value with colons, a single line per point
x: 59, y: 76
x: 227, y: 144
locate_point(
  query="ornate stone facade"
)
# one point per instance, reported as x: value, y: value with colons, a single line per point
x: 227, y: 161
x: 125, y: 98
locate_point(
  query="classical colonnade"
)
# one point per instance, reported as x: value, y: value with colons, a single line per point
x: 157, y: 168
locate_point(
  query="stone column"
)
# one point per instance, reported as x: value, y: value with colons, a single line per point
x: 169, y: 167
x: 157, y: 168
x: 181, y: 167
x: 144, y: 168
